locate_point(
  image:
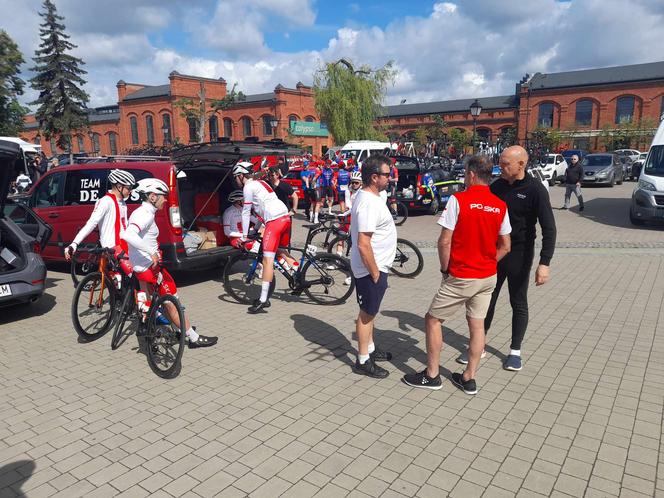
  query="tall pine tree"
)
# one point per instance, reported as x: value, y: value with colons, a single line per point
x: 62, y: 101
x: 11, y: 86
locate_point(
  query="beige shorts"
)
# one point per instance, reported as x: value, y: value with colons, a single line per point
x: 454, y: 292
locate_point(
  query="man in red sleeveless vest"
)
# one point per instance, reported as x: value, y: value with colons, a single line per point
x: 474, y: 237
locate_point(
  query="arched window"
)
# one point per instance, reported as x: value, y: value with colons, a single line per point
x: 214, y: 128
x: 228, y: 127
x: 81, y: 143
x: 484, y: 135
x: 584, y: 112
x: 166, y: 128
x: 267, y: 125
x: 113, y: 143
x: 309, y: 119
x: 133, y: 123
x: 291, y: 119
x: 545, y: 117
x: 193, y: 129
x: 246, y: 126
x: 149, y: 128
x: 95, y: 143
x: 624, y: 109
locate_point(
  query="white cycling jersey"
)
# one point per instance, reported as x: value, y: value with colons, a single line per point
x: 141, y: 236
x: 259, y: 196
x: 105, y: 217
x: 232, y: 220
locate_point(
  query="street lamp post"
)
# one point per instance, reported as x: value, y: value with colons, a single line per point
x: 475, y: 110
x: 274, y: 123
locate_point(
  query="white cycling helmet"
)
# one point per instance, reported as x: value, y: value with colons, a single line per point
x: 235, y: 195
x: 151, y: 186
x: 118, y: 176
x: 243, y: 168
x: 356, y: 176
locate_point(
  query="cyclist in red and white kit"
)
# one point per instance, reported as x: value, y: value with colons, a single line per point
x: 263, y: 201
x: 144, y: 255
x: 232, y: 220
x: 110, y: 215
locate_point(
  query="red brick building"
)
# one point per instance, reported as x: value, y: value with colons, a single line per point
x: 582, y: 104
x: 146, y: 115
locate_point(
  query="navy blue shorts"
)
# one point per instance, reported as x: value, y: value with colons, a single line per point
x: 370, y: 294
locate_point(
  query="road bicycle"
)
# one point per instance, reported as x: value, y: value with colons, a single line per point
x: 400, y: 213
x: 83, y: 262
x: 325, y: 278
x: 102, y: 300
x: 164, y: 341
x: 408, y: 261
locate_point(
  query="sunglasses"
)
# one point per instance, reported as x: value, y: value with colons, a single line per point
x: 384, y: 174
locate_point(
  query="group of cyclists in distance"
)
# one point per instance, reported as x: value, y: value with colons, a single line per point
x: 254, y: 208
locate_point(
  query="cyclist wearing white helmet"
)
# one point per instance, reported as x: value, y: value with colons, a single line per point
x: 110, y: 215
x: 144, y: 255
x: 232, y: 220
x: 261, y: 198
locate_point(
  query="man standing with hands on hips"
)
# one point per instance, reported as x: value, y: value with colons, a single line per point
x: 527, y: 204
x: 374, y: 239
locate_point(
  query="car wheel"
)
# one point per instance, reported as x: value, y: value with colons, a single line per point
x: 634, y: 220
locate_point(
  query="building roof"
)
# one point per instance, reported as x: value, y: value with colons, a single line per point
x: 257, y: 97
x: 150, y: 92
x: 460, y: 105
x: 600, y: 76
x: 95, y: 115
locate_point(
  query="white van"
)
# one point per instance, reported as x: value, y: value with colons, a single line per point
x: 648, y: 197
x: 28, y: 150
x: 359, y: 150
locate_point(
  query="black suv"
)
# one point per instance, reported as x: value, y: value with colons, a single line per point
x: 424, y: 186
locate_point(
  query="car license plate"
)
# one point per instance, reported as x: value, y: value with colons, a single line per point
x: 5, y: 290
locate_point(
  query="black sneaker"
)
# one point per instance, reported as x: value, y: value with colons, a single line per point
x: 581, y: 209
x: 467, y: 386
x: 203, y: 341
x: 258, y: 306
x: 379, y: 355
x: 370, y: 369
x: 421, y: 379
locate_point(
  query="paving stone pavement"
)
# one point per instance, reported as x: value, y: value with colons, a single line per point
x: 274, y: 409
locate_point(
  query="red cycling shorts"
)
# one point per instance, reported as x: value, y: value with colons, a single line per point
x: 276, y: 234
x: 151, y: 275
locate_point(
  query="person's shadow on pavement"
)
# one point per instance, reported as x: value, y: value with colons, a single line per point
x: 328, y: 338
x: 409, y: 321
x: 14, y: 475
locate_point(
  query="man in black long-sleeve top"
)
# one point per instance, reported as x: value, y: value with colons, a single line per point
x: 527, y: 204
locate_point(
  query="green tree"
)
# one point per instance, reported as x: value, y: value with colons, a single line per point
x: 438, y: 127
x: 459, y: 139
x: 11, y: 86
x: 58, y: 79
x: 198, y: 110
x: 349, y: 100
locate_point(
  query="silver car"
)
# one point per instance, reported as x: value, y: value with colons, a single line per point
x: 602, y: 169
x: 22, y: 235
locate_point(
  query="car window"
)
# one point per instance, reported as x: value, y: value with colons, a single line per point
x: 85, y: 186
x: 549, y: 159
x: 655, y: 163
x: 19, y: 214
x: 597, y: 160
x: 46, y: 193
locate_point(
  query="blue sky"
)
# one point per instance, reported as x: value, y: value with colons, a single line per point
x: 442, y: 50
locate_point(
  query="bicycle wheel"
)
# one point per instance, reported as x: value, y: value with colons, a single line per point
x: 327, y: 279
x: 408, y: 261
x: 93, y: 306
x: 124, y: 312
x: 165, y: 341
x: 400, y: 215
x: 241, y: 280
x: 319, y: 239
x: 81, y: 267
x: 332, y: 246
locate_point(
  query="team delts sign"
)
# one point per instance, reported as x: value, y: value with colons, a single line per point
x: 90, y: 188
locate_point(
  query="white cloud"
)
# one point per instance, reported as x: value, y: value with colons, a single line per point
x: 461, y: 48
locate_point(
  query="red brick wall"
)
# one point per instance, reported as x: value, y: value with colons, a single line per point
x: 647, y: 105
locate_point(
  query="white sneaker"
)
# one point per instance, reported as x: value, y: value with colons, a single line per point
x: 463, y: 357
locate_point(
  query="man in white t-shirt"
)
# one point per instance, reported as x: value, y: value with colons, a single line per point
x: 374, y: 239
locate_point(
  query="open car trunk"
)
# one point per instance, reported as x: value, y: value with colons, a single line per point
x: 13, y: 245
x: 407, y: 184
